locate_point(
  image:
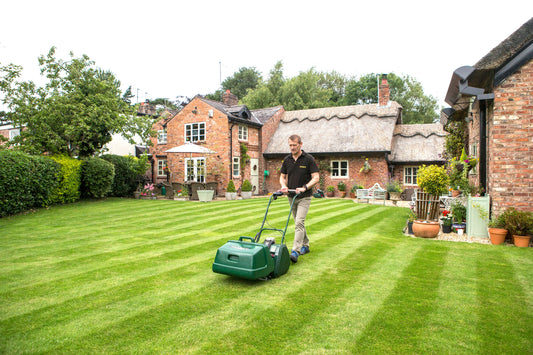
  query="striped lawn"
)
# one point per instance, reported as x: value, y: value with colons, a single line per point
x: 134, y: 276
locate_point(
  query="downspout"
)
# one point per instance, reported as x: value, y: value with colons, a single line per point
x: 482, y: 145
x: 231, y: 151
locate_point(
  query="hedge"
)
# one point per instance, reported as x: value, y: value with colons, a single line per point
x: 69, y: 178
x: 26, y: 181
x: 125, y: 181
x: 96, y: 177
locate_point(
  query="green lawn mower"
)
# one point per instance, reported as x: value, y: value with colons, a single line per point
x: 247, y: 258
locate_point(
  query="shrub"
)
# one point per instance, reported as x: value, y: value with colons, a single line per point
x: 246, y: 186
x: 341, y: 186
x: 518, y: 222
x: 96, y: 177
x: 69, y: 178
x: 231, y: 186
x: 25, y: 181
x: 125, y: 181
x: 433, y: 179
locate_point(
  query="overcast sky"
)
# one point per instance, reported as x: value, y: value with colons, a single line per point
x: 174, y: 48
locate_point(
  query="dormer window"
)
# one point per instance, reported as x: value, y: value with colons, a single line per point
x: 243, y: 133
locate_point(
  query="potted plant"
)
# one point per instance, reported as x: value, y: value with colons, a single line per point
x: 395, y: 190
x: 353, y: 190
x: 330, y: 191
x: 246, y: 190
x: 342, y: 188
x: 520, y: 225
x: 231, y: 193
x: 458, y: 211
x: 496, y: 229
x: 433, y: 181
x: 410, y: 220
x: 366, y: 167
x: 447, y: 221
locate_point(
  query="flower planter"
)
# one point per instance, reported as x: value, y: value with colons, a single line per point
x: 426, y: 229
x: 446, y: 229
x: 330, y: 193
x: 410, y: 228
x: 459, y: 228
x: 342, y: 193
x: 521, y: 241
x: 497, y: 235
x: 231, y: 195
x: 205, y: 195
x: 246, y: 195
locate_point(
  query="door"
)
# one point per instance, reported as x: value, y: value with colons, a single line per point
x: 254, y: 175
x: 195, y: 169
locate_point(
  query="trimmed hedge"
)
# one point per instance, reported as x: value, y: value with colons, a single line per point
x: 96, y: 177
x: 69, y: 180
x: 125, y: 181
x: 26, y: 181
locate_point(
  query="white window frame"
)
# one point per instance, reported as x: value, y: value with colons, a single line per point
x: 473, y: 149
x: 408, y: 178
x: 162, y: 136
x: 200, y: 134
x: 195, y: 169
x: 13, y: 133
x: 161, y: 163
x: 339, y: 172
x: 236, y: 167
x: 243, y: 133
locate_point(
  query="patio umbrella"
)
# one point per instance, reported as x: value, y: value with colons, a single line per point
x: 189, y: 148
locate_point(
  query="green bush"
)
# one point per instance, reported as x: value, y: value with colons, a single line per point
x: 246, y: 186
x: 69, y: 178
x: 25, y: 181
x: 96, y: 177
x: 433, y: 179
x: 125, y: 181
x: 231, y: 186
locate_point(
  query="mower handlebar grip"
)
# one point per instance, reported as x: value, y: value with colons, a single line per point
x: 241, y: 238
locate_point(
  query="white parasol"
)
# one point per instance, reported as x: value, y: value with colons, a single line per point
x: 189, y: 148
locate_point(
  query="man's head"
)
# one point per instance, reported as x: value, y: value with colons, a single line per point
x: 295, y: 144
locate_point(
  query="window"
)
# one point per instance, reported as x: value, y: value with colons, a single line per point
x: 243, y: 133
x: 339, y: 168
x: 13, y: 133
x: 162, y: 136
x: 409, y: 175
x: 195, y: 132
x: 236, y: 166
x: 473, y: 149
x: 195, y: 169
x: 161, y: 163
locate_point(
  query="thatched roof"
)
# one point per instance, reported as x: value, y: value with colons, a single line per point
x: 418, y: 143
x: 337, y: 130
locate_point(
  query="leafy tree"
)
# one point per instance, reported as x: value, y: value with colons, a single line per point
x: 304, y: 92
x: 74, y: 113
x: 239, y: 83
x: 267, y: 93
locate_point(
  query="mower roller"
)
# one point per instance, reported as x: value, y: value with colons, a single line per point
x: 247, y: 258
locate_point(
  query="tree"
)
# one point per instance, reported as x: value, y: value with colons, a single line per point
x: 267, y: 93
x: 239, y: 83
x: 417, y: 107
x: 304, y: 92
x: 74, y: 113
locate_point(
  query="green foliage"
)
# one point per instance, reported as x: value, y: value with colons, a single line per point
x: 26, y: 181
x: 433, y: 179
x: 245, y: 158
x: 246, y: 186
x: 341, y: 186
x: 231, y: 186
x: 69, y: 178
x: 518, y: 222
x: 458, y: 211
x: 125, y: 181
x: 355, y: 187
x: 330, y: 188
x: 96, y: 177
x: 76, y: 110
x: 394, y: 186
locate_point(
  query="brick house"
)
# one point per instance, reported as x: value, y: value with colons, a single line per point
x: 234, y: 134
x: 343, y: 138
x: 495, y: 97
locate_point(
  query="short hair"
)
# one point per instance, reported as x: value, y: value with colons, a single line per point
x: 296, y: 138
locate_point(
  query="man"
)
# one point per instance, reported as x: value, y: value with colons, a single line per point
x: 299, y: 172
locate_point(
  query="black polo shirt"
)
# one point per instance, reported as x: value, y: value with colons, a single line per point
x: 299, y: 171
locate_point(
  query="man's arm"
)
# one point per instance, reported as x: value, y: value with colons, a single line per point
x: 283, y: 182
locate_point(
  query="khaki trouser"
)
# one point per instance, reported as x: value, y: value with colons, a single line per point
x: 299, y: 212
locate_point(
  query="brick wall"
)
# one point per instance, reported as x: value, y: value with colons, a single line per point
x: 379, y: 172
x: 510, y: 143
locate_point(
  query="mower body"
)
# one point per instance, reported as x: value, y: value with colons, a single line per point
x: 251, y: 260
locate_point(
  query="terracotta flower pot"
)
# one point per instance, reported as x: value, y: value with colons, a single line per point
x: 497, y: 235
x: 521, y: 241
x: 426, y: 229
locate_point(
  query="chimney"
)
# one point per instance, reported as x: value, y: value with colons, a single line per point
x: 229, y: 99
x: 384, y: 93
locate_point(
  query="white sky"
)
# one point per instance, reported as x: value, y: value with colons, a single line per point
x: 173, y: 48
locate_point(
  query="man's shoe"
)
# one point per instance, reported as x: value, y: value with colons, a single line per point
x: 294, y: 256
x: 304, y: 250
